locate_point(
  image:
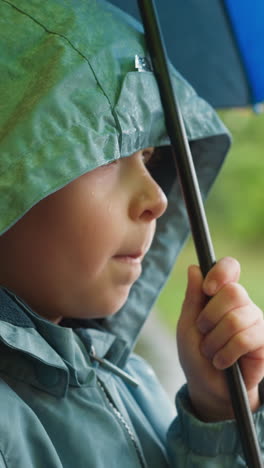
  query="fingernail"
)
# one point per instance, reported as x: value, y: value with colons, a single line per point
x: 211, y: 287
x: 219, y: 363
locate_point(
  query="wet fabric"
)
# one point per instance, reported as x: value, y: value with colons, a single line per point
x: 87, y: 83
x: 59, y: 408
x: 74, y: 99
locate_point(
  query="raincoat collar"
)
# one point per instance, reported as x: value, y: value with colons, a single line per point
x: 53, y: 356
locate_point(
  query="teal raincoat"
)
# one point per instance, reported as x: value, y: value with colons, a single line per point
x: 74, y: 97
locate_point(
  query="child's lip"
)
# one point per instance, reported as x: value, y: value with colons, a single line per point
x: 134, y: 257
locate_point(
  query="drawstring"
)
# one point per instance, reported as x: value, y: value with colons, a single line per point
x: 112, y: 368
x: 87, y: 340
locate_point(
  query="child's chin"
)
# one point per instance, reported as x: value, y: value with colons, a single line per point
x: 108, y: 311
x: 105, y: 309
x: 112, y: 303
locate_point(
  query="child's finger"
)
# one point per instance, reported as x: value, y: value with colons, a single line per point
x: 195, y: 299
x: 245, y: 342
x: 224, y: 271
x: 231, y: 296
x: 233, y: 323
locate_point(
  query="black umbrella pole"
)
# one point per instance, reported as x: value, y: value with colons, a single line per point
x: 200, y: 231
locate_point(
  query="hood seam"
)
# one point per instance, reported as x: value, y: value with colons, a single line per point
x: 59, y: 35
x: 78, y: 52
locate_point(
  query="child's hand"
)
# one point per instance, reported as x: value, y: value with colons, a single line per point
x: 213, y: 334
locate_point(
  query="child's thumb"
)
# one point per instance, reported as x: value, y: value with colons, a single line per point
x: 195, y: 299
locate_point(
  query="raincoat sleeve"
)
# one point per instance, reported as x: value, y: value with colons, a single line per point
x: 192, y: 442
x: 188, y: 442
x: 2, y: 461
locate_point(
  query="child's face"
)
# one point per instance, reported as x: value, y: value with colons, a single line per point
x: 78, y: 251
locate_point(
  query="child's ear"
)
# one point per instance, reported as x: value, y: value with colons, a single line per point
x: 162, y: 168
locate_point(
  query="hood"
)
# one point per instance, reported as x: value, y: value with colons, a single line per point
x: 74, y: 98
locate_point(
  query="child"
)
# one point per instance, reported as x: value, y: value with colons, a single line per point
x: 88, y: 237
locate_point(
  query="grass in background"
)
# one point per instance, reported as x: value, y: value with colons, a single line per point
x: 235, y: 212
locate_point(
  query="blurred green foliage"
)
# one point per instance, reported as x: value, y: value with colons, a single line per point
x: 236, y: 205
x: 235, y: 211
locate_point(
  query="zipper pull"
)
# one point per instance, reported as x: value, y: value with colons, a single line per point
x: 111, y: 367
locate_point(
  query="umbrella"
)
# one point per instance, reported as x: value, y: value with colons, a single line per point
x: 217, y: 45
x: 194, y: 205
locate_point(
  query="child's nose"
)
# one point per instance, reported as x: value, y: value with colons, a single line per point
x: 150, y: 202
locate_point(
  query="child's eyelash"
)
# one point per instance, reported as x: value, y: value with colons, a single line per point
x: 150, y: 158
x: 153, y: 158
x: 146, y: 156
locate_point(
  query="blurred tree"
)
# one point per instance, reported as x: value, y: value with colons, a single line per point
x: 236, y: 204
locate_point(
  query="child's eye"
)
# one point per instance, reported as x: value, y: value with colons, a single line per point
x: 152, y: 158
x: 147, y: 155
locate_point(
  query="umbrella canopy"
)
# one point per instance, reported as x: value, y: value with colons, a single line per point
x: 217, y: 46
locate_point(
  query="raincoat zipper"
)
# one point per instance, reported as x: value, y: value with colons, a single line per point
x: 124, y: 423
